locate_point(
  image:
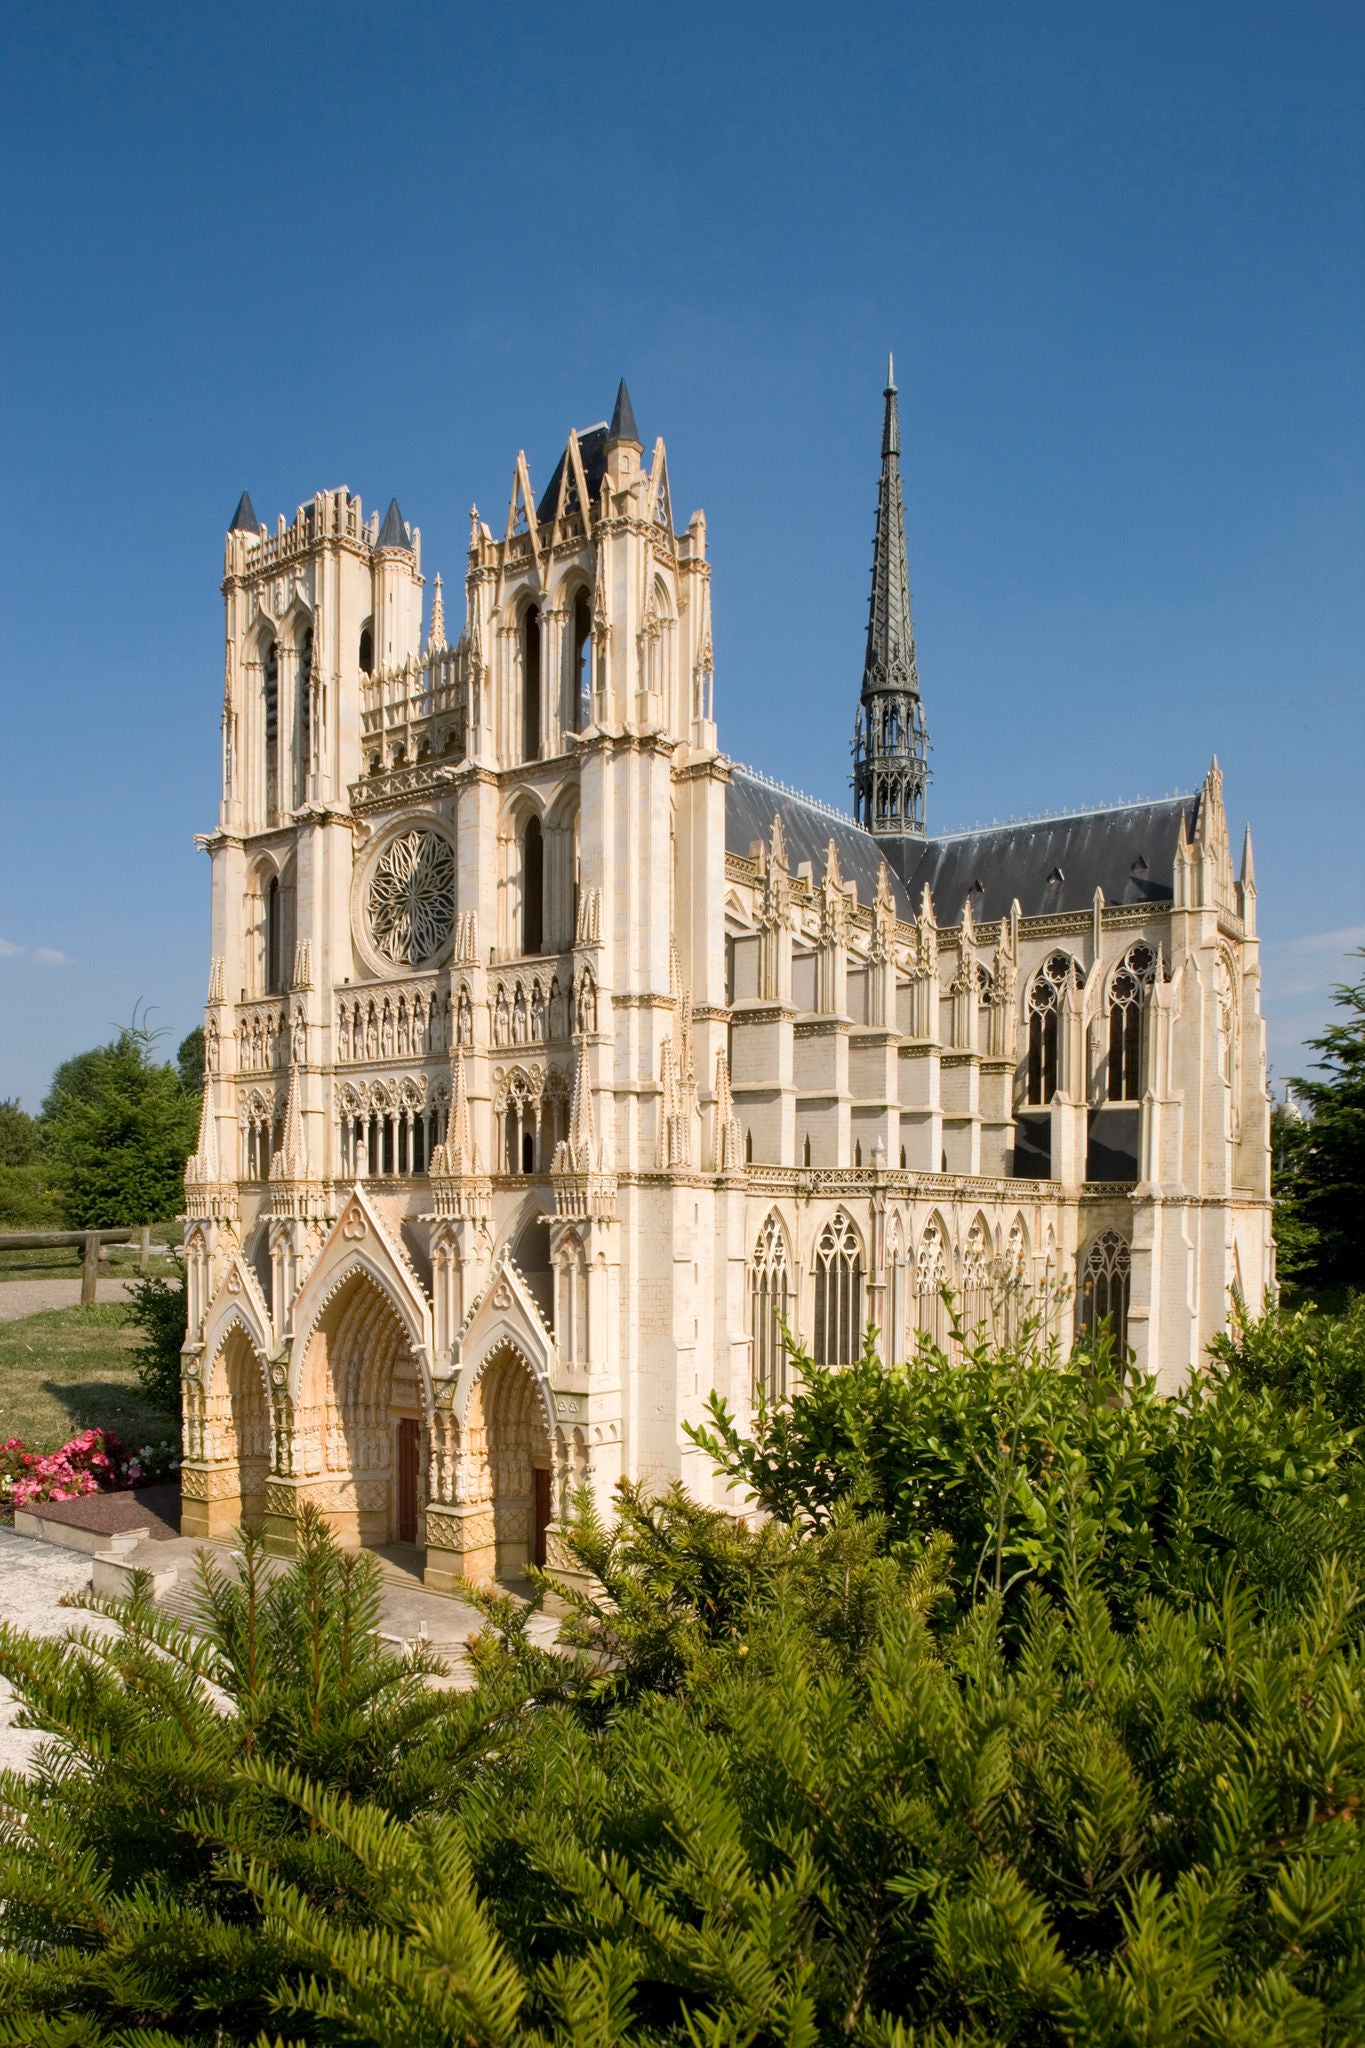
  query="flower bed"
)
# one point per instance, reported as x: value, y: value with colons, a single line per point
x: 96, y: 1461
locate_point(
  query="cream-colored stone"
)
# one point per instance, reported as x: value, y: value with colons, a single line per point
x: 514, y: 1068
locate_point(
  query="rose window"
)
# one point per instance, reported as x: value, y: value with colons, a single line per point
x: 412, y: 898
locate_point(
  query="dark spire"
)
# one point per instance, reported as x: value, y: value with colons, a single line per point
x: 393, y: 533
x: 244, y: 519
x: 623, y: 427
x: 890, y: 657
x: 890, y: 744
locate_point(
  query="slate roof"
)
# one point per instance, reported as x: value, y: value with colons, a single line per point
x: 623, y: 427
x: 807, y: 828
x: 394, y: 533
x: 244, y: 519
x: 592, y: 447
x: 1129, y: 851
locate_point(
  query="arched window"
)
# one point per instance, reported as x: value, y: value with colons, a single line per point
x: 270, y: 670
x: 976, y: 1281
x: 274, y: 936
x: 305, y: 719
x: 582, y: 662
x: 367, y: 649
x: 769, y: 1309
x: 838, y: 1293
x: 931, y: 1276
x: 1127, y: 995
x: 532, y: 887
x: 893, y: 1336
x: 530, y: 685
x: 571, y: 1323
x: 1105, y: 1276
x: 1044, y: 1008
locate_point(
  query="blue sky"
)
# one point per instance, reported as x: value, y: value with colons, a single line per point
x: 1118, y: 254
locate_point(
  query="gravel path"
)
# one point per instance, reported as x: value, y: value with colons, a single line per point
x: 33, y: 1578
x: 30, y: 1297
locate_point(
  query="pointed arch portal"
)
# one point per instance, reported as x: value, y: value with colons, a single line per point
x: 360, y: 1418
x: 506, y: 1468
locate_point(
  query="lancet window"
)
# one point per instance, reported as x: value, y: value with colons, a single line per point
x: 897, y: 1301
x: 1128, y: 993
x: 581, y: 674
x: 1044, y: 1019
x: 571, y: 1319
x: 259, y: 1136
x: 838, y: 1293
x: 975, y: 1278
x: 931, y: 1277
x: 532, y: 887
x: 530, y: 684
x: 1105, y: 1278
x: 275, y: 906
x: 769, y: 1309
x: 305, y: 717
x: 270, y: 693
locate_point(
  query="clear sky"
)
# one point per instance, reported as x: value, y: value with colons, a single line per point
x: 1117, y: 252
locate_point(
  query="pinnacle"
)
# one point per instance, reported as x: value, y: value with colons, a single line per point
x: 623, y: 427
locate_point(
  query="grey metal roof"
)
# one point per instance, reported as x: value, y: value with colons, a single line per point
x: 1128, y: 851
x: 393, y: 533
x: 807, y: 827
x: 1055, y: 864
x: 244, y: 519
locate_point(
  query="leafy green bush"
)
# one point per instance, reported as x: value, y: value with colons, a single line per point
x: 158, y: 1309
x: 29, y: 1200
x: 823, y: 1779
x: 1034, y: 1467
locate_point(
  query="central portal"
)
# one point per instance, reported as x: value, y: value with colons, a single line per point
x: 363, y: 1410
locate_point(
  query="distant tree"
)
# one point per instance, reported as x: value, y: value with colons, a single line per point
x: 1295, y: 1239
x: 18, y: 1134
x: 117, y: 1128
x: 189, y: 1061
x: 1323, y: 1184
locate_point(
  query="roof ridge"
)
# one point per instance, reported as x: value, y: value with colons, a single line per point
x: 1137, y: 803
x: 801, y: 795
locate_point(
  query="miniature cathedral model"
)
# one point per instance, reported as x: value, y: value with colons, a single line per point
x: 557, y: 1066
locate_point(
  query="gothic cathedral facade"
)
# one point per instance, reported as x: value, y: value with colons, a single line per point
x: 556, y: 1064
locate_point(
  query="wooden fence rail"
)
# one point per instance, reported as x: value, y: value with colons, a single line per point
x: 88, y: 1243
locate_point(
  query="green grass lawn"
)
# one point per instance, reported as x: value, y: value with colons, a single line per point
x: 72, y: 1369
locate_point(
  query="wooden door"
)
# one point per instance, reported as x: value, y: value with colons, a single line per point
x: 409, y: 1467
x: 543, y: 1516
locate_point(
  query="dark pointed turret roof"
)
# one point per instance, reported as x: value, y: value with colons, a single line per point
x: 393, y: 533
x: 244, y: 519
x: 623, y: 427
x: 890, y: 659
x: 592, y: 453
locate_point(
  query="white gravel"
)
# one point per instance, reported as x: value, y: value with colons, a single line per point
x: 33, y: 1578
x: 31, y: 1297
